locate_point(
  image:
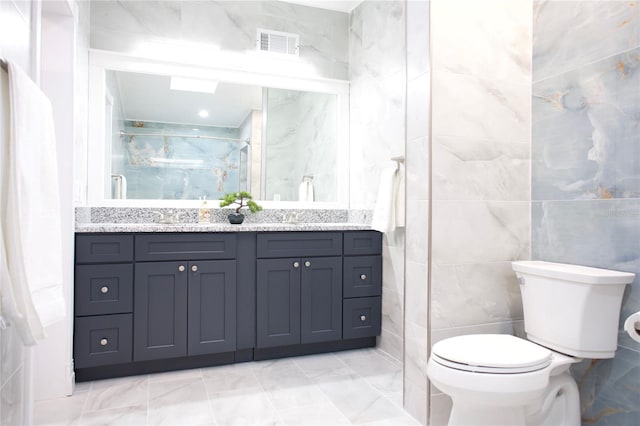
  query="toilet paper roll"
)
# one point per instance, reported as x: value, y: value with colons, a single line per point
x: 632, y: 326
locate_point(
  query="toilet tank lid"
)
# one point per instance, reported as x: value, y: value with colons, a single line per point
x: 576, y: 273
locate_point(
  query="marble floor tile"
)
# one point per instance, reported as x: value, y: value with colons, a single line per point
x: 353, y: 387
x: 298, y: 396
x: 127, y: 416
x: 230, y: 381
x: 318, y: 414
x: 59, y: 411
x: 179, y: 402
x: 390, y: 385
x: 240, y: 408
x: 118, y: 393
x: 360, y: 402
x: 372, y: 365
x: 323, y: 365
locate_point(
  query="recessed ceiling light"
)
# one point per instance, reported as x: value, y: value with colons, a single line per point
x: 193, y: 85
x: 203, y: 113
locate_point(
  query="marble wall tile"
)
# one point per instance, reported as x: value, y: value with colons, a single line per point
x: 377, y: 47
x: 418, y: 103
x: 377, y: 96
x: 586, y: 137
x: 418, y: 235
x: 12, y: 353
x: 570, y: 34
x: 480, y: 231
x: 376, y: 134
x: 609, y: 389
x: 416, y: 355
x: 476, y: 169
x: 468, y: 106
x: 153, y: 19
x: 12, y: 399
x: 418, y: 25
x: 470, y: 294
x: 499, y: 29
x: 602, y: 233
x: 418, y: 171
x: 391, y: 344
x: 415, y: 401
x: 509, y: 327
x: 392, y: 311
x: 417, y: 300
x: 223, y: 26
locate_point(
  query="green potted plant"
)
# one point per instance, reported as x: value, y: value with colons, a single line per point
x: 241, y: 199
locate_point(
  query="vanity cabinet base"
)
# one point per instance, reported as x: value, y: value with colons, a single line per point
x: 212, y: 360
x: 313, y: 348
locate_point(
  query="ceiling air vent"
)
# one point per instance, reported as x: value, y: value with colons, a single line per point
x: 277, y: 42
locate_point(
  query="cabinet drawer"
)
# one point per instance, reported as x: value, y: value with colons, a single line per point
x: 102, y: 340
x: 185, y: 246
x: 103, y: 289
x: 362, y: 276
x: 104, y: 248
x: 299, y: 244
x: 362, y: 243
x: 361, y: 317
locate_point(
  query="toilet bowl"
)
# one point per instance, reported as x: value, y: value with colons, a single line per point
x: 499, y: 379
x: 570, y: 312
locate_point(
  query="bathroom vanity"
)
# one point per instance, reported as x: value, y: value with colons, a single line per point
x: 157, y: 301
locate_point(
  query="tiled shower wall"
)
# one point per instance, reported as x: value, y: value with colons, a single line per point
x: 586, y: 170
x: 377, y: 133
x: 481, y: 111
x: 417, y: 229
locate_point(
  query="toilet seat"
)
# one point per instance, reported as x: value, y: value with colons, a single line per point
x: 491, y: 353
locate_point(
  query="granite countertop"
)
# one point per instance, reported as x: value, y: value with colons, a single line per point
x: 218, y: 227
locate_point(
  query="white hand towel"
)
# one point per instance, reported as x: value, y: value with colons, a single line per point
x: 384, y: 213
x: 31, y: 221
x: 400, y: 196
x: 305, y: 191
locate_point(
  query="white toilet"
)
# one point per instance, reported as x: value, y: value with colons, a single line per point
x: 570, y: 312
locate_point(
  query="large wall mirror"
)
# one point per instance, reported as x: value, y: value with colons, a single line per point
x: 168, y: 133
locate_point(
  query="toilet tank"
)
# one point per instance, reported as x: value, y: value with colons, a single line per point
x: 572, y: 309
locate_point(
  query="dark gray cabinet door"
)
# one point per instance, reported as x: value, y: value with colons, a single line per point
x: 160, y: 310
x: 321, y: 299
x: 278, y: 302
x: 212, y: 307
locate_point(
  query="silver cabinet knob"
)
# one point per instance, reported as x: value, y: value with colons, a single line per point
x: 181, y: 268
x: 296, y: 264
x: 194, y: 268
x: 307, y: 263
x: 363, y: 277
x: 104, y: 289
x: 363, y: 318
x: 103, y: 342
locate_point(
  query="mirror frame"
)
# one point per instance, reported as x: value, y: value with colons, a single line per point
x: 99, y: 151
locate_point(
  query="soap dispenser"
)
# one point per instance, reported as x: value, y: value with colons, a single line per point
x: 204, y: 212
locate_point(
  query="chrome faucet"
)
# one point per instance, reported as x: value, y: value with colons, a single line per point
x: 169, y: 217
x: 291, y: 217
